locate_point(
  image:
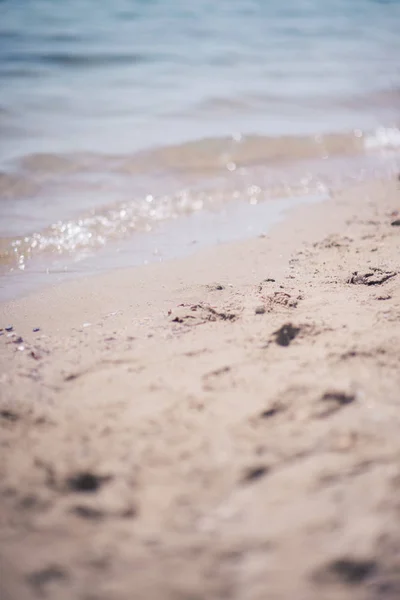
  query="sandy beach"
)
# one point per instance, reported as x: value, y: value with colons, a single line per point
x: 223, y: 426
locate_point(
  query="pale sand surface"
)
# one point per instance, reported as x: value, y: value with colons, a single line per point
x: 172, y: 449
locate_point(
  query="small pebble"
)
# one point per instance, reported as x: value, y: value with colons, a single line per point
x: 9, y: 328
x: 18, y: 340
x: 259, y: 310
x: 86, y: 325
x: 36, y: 329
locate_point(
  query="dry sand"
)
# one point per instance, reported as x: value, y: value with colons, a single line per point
x: 160, y: 440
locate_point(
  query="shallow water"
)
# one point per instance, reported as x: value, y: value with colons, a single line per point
x: 119, y: 115
x: 169, y: 240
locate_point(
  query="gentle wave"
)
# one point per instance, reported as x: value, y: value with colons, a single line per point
x: 200, y: 175
x: 212, y: 155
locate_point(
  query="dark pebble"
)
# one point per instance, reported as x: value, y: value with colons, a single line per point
x: 9, y: 328
x: 36, y: 329
x: 396, y: 223
x: 18, y: 340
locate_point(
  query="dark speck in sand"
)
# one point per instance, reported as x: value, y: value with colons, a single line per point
x: 40, y: 579
x: 338, y: 397
x: 271, y: 412
x: 9, y: 328
x: 86, y: 482
x: 36, y: 329
x: 216, y: 287
x: 87, y: 512
x: 286, y: 334
x: 350, y: 571
x: 331, y: 402
x: 255, y: 473
x: 396, y: 223
x: 71, y: 377
x: 9, y: 415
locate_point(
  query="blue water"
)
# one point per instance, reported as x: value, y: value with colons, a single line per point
x: 121, y: 75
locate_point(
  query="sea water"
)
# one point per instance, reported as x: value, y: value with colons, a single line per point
x: 117, y: 115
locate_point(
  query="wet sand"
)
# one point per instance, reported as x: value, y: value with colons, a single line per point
x: 220, y: 426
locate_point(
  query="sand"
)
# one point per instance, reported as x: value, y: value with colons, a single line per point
x: 221, y: 426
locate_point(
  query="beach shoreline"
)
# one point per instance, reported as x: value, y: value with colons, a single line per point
x: 223, y: 425
x: 66, y: 214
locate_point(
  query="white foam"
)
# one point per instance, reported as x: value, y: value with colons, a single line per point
x: 383, y: 137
